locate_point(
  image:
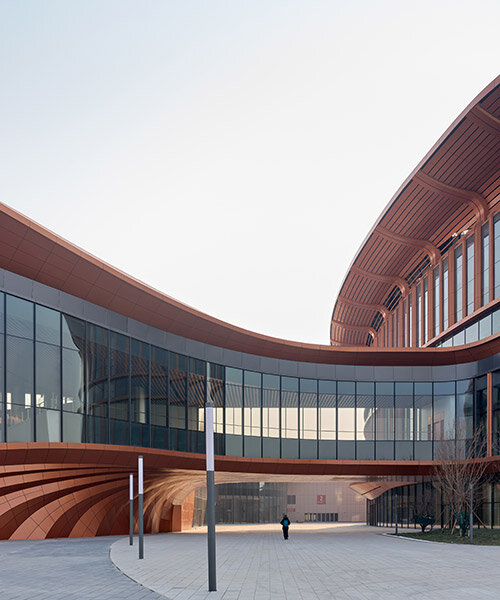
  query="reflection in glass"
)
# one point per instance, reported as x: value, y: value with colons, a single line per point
x: 485, y: 264
x: 404, y: 411
x: 48, y: 425
x: 233, y: 411
x: 308, y: 409
x: 72, y: 381
x: 19, y: 317
x: 327, y: 401
x: 98, y: 371
x: 465, y: 408
x: 384, y: 415
x: 119, y: 376
x: 435, y: 312
x: 423, y: 411
x: 470, y: 275
x: 346, y: 402
x: 270, y: 404
x: 365, y: 406
x: 289, y: 407
x: 444, y: 410
x: 73, y: 333
x: 48, y: 376
x: 48, y: 325
x: 445, y: 294
x: 251, y: 415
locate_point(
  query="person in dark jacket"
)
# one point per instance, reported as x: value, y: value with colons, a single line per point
x: 285, y: 523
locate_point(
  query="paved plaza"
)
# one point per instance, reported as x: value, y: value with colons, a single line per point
x: 254, y: 562
x: 319, y: 561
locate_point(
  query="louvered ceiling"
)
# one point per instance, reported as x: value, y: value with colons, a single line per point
x: 456, y: 184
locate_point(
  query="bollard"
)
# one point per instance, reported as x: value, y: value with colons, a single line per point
x: 131, y: 501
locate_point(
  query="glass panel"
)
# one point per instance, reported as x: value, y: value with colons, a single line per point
x: 365, y: 406
x: 384, y: 428
x: 485, y: 264
x: 119, y: 376
x: 444, y: 410
x: 48, y: 376
x: 159, y: 387
x: 72, y: 381
x: 177, y: 401
x: 270, y: 404
x: 470, y: 275
x: 418, y: 312
x: 48, y: 425
x: 423, y: 411
x: 196, y: 395
x: 289, y: 407
x: 73, y: 427
x: 1, y: 382
x: 2, y: 299
x: 217, y: 396
x: 496, y: 322
x: 233, y: 412
x: 472, y: 333
x: 19, y: 389
x: 48, y: 325
x: 465, y: 408
x: 405, y: 336
x: 19, y: 317
x: 485, y: 327
x: 404, y: 411
x: 445, y: 294
x: 458, y: 284
x: 252, y: 404
x: 426, y: 311
x: 496, y: 254
x: 73, y: 333
x: 139, y: 382
x: 327, y: 410
x: 308, y: 409
x: 98, y: 371
x: 346, y: 410
x: 436, y: 316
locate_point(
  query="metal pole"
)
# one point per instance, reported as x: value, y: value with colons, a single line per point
x: 141, y: 509
x: 396, y: 511
x: 209, y: 449
x: 471, y: 531
x: 131, y: 498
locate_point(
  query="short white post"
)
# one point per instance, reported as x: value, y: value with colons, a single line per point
x: 131, y: 500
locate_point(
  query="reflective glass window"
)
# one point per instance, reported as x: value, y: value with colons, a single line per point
x: 47, y: 376
x: 346, y: 411
x: 270, y: 405
x: 139, y: 381
x: 405, y: 332
x: 472, y: 333
x: 404, y: 411
x: 48, y: 325
x: 436, y: 316
x: 327, y: 401
x: 177, y: 401
x: 289, y: 407
x: 445, y: 294
x: 19, y: 317
x: 423, y: 411
x: 458, y: 284
x: 251, y: 416
x: 73, y: 333
x: 308, y: 409
x: 196, y: 395
x: 72, y: 382
x: 426, y: 311
x: 234, y: 404
x: 159, y: 386
x: 98, y: 371
x: 444, y: 410
x: 495, y: 322
x: 217, y: 395
x: 418, y: 312
x: 2, y: 310
x: 119, y: 376
x: 470, y: 275
x: 485, y: 327
x: 384, y: 413
x: 465, y: 409
x: 48, y: 425
x: 485, y: 264
x: 365, y: 408
x: 496, y: 254
x: 19, y: 389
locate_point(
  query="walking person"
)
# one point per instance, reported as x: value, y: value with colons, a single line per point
x: 285, y: 523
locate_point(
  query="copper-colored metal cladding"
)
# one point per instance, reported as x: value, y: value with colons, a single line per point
x: 454, y: 188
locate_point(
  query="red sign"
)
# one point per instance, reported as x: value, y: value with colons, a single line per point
x: 321, y: 499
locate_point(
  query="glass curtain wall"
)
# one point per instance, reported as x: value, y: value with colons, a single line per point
x: 308, y: 418
x: 289, y: 417
x: 252, y: 414
x: 234, y: 412
x: 327, y: 419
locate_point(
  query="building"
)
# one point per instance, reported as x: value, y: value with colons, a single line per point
x: 96, y: 367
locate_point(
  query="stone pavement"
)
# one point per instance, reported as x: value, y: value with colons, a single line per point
x: 75, y: 569
x: 319, y: 561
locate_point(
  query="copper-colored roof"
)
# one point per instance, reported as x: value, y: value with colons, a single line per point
x: 30, y: 250
x: 454, y: 186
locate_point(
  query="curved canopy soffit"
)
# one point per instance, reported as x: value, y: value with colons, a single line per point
x: 454, y: 187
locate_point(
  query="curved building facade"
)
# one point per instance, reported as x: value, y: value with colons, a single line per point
x: 96, y: 367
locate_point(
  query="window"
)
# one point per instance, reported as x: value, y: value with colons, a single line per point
x: 459, y: 313
x: 404, y: 324
x: 435, y: 311
x: 485, y: 265
x: 470, y: 275
x: 418, y: 311
x: 496, y: 254
x: 426, y: 311
x: 445, y: 294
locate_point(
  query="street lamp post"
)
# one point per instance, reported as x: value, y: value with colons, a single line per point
x: 141, y: 508
x: 209, y: 449
x: 131, y: 502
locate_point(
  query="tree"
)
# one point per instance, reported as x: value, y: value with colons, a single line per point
x: 460, y: 467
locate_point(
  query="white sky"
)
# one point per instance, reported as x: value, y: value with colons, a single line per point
x: 233, y: 155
